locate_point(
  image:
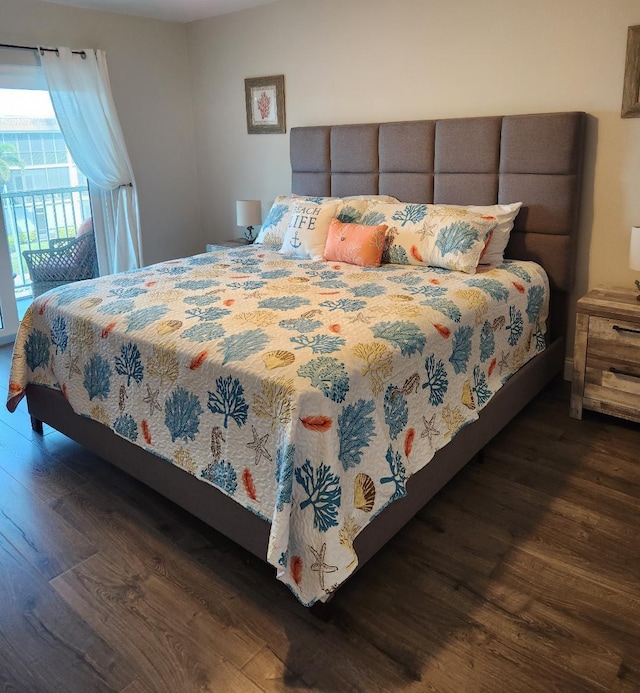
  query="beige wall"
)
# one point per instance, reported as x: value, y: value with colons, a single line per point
x: 149, y: 74
x: 351, y: 61
x: 369, y: 60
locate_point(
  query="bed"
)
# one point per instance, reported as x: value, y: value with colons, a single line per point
x: 280, y: 407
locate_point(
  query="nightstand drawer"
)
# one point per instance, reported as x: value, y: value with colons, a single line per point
x: 611, y: 390
x: 613, y: 340
x: 612, y: 377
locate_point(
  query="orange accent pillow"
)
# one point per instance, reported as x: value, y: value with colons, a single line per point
x: 355, y: 243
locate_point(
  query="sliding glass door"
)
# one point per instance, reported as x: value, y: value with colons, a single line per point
x: 8, y: 304
x: 44, y: 197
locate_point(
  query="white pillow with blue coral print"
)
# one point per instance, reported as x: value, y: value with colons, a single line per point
x: 497, y: 243
x: 433, y: 235
x: 371, y: 198
x: 274, y: 227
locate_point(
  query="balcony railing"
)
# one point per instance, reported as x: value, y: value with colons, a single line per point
x: 32, y: 219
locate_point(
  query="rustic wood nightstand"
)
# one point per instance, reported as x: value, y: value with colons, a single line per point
x: 229, y: 243
x: 606, y: 357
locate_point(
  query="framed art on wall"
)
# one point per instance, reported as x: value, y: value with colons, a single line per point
x: 264, y: 98
x: 631, y: 90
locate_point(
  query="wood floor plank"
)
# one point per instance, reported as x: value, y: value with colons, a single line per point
x: 587, y: 560
x: 514, y: 625
x: 471, y: 518
x: 552, y: 534
x: 530, y: 630
x: 174, y: 642
x: 60, y: 650
x: 511, y: 613
x: 628, y: 676
x: 80, y: 460
x: 407, y: 625
x: 594, y: 454
x: 39, y: 534
x: 35, y: 468
x: 123, y: 530
x: 451, y: 649
x: 594, y: 602
x: 520, y: 576
x: 19, y: 420
x: 168, y: 519
x: 604, y: 547
x: 564, y: 447
x: 319, y: 655
x: 291, y: 636
x: 15, y: 676
x: 581, y: 489
x: 490, y: 493
x: 139, y: 686
x: 272, y: 671
x: 142, y: 554
x: 313, y: 653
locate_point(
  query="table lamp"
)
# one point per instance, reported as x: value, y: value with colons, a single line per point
x: 634, y: 253
x: 249, y: 214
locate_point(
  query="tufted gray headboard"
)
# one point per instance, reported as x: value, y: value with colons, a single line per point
x: 533, y: 159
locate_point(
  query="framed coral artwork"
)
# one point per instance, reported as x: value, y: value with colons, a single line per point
x: 631, y: 89
x: 264, y: 98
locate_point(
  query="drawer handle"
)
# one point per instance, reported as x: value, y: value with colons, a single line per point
x: 617, y: 371
x: 617, y: 328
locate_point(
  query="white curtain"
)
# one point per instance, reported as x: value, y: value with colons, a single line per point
x: 81, y: 96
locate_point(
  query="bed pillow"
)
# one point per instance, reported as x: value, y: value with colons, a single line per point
x: 306, y: 235
x: 275, y: 225
x: 351, y: 210
x: 372, y: 198
x: 355, y: 243
x: 505, y: 215
x: 433, y: 235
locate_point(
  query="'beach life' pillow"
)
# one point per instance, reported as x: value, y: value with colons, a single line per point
x: 306, y: 234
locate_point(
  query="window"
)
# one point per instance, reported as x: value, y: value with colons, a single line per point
x: 46, y: 159
x: 45, y: 196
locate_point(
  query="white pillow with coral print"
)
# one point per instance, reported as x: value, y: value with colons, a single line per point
x: 505, y: 215
x: 434, y: 235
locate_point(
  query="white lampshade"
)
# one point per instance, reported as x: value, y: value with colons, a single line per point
x: 634, y: 249
x: 248, y: 212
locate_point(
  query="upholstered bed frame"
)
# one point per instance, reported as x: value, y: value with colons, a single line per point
x: 535, y: 159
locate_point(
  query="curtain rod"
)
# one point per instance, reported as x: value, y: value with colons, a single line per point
x: 36, y: 48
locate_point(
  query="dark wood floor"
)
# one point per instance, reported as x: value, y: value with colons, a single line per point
x: 522, y: 575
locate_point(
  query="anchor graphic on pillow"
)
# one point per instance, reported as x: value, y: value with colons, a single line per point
x: 295, y: 240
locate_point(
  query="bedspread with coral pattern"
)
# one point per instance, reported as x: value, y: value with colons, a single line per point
x: 307, y: 391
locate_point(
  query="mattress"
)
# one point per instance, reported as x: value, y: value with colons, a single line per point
x: 307, y: 391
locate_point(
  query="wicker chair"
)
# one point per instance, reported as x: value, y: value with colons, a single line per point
x: 66, y: 260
